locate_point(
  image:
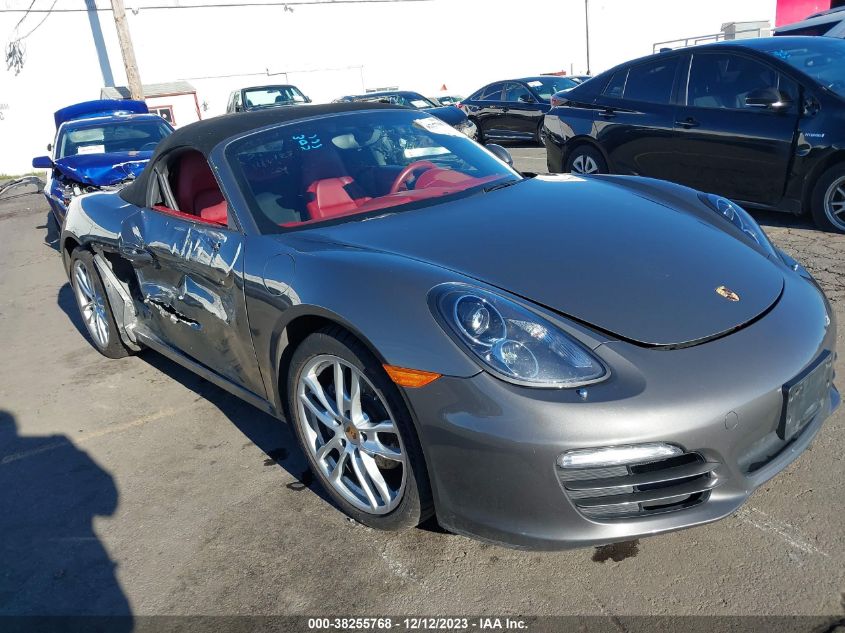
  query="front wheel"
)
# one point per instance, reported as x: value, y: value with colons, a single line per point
x: 828, y: 200
x: 93, y: 305
x: 479, y: 135
x: 586, y: 160
x: 357, y: 433
x: 540, y: 135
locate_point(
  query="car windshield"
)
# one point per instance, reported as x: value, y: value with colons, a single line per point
x: 269, y: 96
x: 821, y: 58
x: 408, y: 99
x: 110, y: 138
x: 357, y: 164
x: 545, y: 87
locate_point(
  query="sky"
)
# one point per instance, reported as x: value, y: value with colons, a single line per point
x: 329, y: 50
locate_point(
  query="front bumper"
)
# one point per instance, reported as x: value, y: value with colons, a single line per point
x: 491, y: 447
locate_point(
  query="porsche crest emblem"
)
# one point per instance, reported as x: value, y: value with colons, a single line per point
x: 727, y: 293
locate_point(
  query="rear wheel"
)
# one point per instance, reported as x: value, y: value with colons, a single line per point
x: 93, y: 305
x: 828, y: 200
x: 357, y: 433
x: 586, y: 160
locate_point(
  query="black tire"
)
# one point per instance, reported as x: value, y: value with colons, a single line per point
x: 479, y: 136
x: 539, y: 137
x: 111, y: 346
x: 819, y: 199
x: 416, y: 504
x: 584, y: 154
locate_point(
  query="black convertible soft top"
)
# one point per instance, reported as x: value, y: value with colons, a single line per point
x: 205, y: 135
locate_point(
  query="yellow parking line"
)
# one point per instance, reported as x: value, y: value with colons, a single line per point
x: 93, y: 435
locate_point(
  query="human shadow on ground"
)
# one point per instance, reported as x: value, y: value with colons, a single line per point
x: 53, y: 562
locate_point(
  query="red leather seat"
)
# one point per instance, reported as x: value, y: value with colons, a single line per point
x: 329, y: 198
x: 197, y: 191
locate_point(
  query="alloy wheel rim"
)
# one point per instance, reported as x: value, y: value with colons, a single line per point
x: 834, y: 203
x: 92, y: 304
x: 351, y: 434
x: 584, y: 164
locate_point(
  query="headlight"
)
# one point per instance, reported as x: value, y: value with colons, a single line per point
x: 739, y: 217
x: 467, y: 127
x: 513, y: 342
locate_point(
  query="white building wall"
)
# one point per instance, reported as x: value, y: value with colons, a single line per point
x: 328, y: 51
x: 184, y: 107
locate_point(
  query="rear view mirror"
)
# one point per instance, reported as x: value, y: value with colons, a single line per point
x: 501, y: 153
x: 42, y: 162
x: 768, y: 98
x: 525, y: 99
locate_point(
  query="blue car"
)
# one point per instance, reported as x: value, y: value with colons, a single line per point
x: 99, y: 146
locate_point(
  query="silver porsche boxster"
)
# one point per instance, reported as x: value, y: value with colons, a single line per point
x: 544, y: 362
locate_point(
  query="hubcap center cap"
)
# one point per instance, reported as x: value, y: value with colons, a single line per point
x: 352, y: 433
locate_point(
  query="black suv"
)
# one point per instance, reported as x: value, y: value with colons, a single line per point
x: 760, y: 121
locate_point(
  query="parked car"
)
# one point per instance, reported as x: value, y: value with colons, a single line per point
x: 99, y: 146
x: 259, y: 97
x: 544, y: 362
x: 447, y: 100
x: 559, y: 98
x: 450, y: 114
x: 827, y: 23
x: 760, y: 121
x: 514, y: 109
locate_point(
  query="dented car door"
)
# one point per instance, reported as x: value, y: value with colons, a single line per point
x: 190, y: 277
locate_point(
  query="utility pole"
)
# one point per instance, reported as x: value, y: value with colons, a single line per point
x: 587, y: 25
x: 133, y: 77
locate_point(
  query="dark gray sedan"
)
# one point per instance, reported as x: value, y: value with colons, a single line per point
x: 543, y: 362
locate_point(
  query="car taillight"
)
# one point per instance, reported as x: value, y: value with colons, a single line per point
x: 459, y: 105
x: 556, y: 101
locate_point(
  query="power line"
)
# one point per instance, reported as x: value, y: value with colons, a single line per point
x: 226, y: 5
x: 15, y: 52
x: 33, y: 29
x: 26, y: 13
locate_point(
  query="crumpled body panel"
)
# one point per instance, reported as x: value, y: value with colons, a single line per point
x: 103, y: 169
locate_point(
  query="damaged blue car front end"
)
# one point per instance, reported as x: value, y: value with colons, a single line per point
x: 100, y: 146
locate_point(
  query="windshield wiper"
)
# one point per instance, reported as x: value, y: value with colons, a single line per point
x: 500, y: 185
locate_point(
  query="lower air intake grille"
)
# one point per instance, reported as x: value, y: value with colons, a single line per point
x: 616, y: 492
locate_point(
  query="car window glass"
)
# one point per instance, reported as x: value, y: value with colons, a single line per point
x: 821, y: 58
x: 111, y: 138
x: 193, y: 189
x: 272, y: 95
x: 514, y: 91
x: 545, y: 87
x: 724, y: 80
x: 816, y: 30
x: 651, y: 82
x: 356, y: 163
x: 492, y: 93
x: 616, y: 86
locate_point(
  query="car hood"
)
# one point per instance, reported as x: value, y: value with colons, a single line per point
x: 447, y: 114
x: 103, y: 169
x: 592, y: 250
